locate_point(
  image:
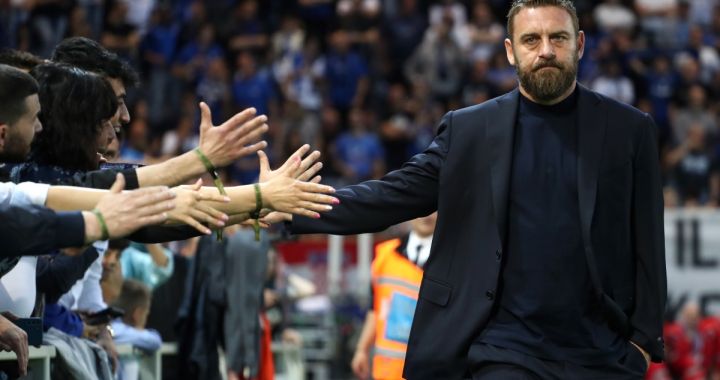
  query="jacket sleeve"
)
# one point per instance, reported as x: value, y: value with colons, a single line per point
x: 649, y: 245
x: 35, y: 230
x: 162, y: 234
x: 371, y: 206
x: 57, y: 274
x: 101, y: 179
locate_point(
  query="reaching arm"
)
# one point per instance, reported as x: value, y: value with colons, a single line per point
x: 36, y: 230
x: 222, y: 145
x: 371, y: 206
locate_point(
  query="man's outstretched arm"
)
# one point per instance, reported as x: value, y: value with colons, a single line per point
x: 372, y: 206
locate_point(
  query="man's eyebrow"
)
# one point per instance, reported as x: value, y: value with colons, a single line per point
x: 529, y: 34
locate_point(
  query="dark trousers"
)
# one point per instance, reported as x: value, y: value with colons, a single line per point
x: 489, y: 362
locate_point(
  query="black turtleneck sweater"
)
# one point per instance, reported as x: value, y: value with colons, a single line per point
x: 545, y: 307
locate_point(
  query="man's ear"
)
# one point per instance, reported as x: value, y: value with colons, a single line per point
x: 509, y: 51
x: 3, y: 135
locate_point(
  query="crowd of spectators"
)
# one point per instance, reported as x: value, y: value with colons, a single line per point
x: 366, y: 81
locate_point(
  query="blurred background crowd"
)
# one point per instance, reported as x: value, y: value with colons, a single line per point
x: 366, y: 81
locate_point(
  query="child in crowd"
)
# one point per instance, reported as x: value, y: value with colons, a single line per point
x: 134, y: 299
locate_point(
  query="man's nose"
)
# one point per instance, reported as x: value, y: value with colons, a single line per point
x: 547, y: 50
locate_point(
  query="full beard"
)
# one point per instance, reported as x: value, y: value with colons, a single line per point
x: 545, y: 85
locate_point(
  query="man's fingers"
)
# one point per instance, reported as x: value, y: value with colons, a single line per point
x: 249, y: 135
x: 304, y: 212
x: 249, y: 128
x: 151, y: 219
x: 195, y: 224
x: 239, y: 118
x: 208, y: 214
x: 319, y: 198
x: 309, y: 173
x: 316, y: 179
x: 310, y: 187
x: 250, y: 149
x: 119, y: 184
x: 305, y: 163
x: 20, y: 347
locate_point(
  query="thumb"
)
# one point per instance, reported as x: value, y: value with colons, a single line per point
x: 264, y: 162
x: 119, y: 184
x: 205, y: 117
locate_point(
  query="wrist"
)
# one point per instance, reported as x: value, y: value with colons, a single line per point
x: 265, y: 195
x: 93, y: 231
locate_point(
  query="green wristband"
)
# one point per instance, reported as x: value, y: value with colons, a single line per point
x: 103, y: 226
x: 216, y: 181
x: 256, y: 214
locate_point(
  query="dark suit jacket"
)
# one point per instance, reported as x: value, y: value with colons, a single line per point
x: 465, y: 173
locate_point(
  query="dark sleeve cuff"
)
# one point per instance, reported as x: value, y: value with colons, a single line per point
x: 70, y: 230
x: 654, y: 346
x: 131, y: 179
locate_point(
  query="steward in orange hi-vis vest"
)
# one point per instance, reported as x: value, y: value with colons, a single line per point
x: 396, y: 282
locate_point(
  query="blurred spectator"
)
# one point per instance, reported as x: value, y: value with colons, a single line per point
x: 253, y: 86
x: 613, y: 84
x: 158, y: 50
x: 151, y: 264
x: 696, y: 169
x: 135, y: 300
x: 452, y: 14
x: 707, y: 56
x: 359, y: 153
x: 397, y: 128
x: 118, y: 35
x: 484, y: 32
x: 112, y: 276
x: 695, y: 113
x: 244, y: 30
x: 403, y: 32
x: 613, y: 14
x: 194, y: 57
x: 48, y: 25
x: 345, y: 72
x: 661, y: 80
x: 438, y: 61
x: 360, y: 18
x: 478, y: 88
x: 140, y: 13
x: 658, y: 18
x: 214, y: 89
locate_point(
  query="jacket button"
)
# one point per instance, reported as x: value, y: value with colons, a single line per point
x: 498, y: 254
x: 490, y: 295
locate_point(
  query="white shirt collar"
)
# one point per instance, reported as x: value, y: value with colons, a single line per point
x: 414, y: 240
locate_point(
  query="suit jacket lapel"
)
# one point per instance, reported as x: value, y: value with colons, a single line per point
x: 591, y: 133
x: 500, y: 133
